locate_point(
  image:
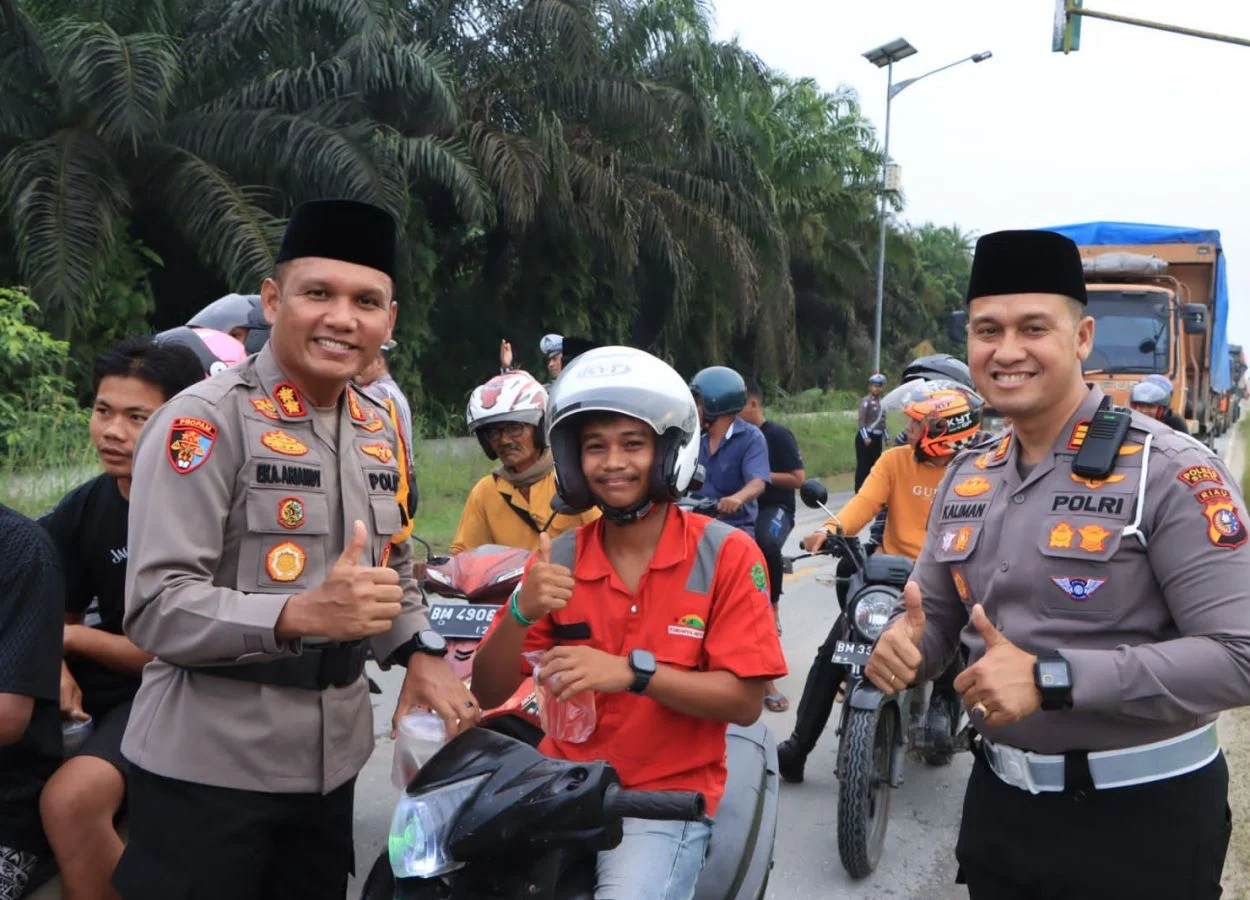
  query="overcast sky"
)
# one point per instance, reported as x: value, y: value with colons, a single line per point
x: 1136, y: 126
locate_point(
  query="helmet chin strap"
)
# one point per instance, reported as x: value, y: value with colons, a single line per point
x: 627, y: 515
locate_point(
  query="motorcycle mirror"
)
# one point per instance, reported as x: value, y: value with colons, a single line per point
x: 813, y: 494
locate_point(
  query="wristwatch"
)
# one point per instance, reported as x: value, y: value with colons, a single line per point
x: 1053, y: 677
x: 426, y: 641
x: 643, y: 664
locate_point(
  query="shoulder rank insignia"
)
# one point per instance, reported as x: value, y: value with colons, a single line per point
x: 373, y: 422
x: 289, y: 399
x: 353, y: 406
x: 189, y: 443
x: 380, y: 452
x: 281, y: 442
x: 266, y: 408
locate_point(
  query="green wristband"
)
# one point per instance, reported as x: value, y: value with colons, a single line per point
x: 515, y: 609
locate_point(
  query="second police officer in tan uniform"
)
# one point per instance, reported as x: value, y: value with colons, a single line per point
x: 265, y: 547
x: 1106, y: 617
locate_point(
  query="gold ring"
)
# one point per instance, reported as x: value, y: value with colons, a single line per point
x: 893, y: 678
x: 985, y: 712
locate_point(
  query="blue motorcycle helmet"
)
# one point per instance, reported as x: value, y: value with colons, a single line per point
x: 720, y: 391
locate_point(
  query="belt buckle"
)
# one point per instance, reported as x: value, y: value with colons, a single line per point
x: 1012, y: 766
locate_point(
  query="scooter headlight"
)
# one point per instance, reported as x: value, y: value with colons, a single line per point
x: 872, y: 609
x: 422, y: 823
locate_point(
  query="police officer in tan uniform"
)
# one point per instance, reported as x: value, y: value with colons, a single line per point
x: 265, y: 548
x: 1101, y: 599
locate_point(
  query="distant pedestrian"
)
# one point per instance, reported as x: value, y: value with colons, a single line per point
x: 871, y: 436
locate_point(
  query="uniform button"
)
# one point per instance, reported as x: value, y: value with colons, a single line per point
x: 1018, y: 498
x: 1004, y: 567
x: 633, y: 609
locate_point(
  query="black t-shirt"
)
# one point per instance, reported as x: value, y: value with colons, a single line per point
x: 89, y: 527
x: 31, y: 622
x: 783, y: 456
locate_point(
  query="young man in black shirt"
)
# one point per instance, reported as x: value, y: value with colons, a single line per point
x: 101, y: 670
x: 776, y: 512
x: 30, y: 726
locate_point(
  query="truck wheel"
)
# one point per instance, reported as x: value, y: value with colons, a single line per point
x: 864, y: 792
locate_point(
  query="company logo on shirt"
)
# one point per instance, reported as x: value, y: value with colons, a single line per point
x: 690, y: 626
x: 919, y: 490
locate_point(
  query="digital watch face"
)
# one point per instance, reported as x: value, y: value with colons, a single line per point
x: 1053, y: 674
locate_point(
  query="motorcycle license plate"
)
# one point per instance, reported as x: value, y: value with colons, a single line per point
x: 462, y: 621
x: 849, y: 653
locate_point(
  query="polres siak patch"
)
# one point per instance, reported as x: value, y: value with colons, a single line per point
x: 1196, y: 475
x: 759, y: 577
x: 189, y: 443
x: 1079, y: 589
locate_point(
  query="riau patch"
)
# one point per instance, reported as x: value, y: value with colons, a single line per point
x: 380, y: 452
x: 266, y: 408
x: 1095, y: 483
x: 289, y: 399
x: 759, y: 577
x: 972, y: 487
x: 1079, y: 589
x: 957, y: 539
x: 1213, y: 495
x: 961, y: 585
x: 286, y: 444
x: 286, y: 561
x: 1093, y: 538
x: 1196, y: 475
x: 1224, y: 526
x: 291, y: 512
x: 190, y: 442
x: 372, y: 422
x: 385, y: 557
x: 353, y: 407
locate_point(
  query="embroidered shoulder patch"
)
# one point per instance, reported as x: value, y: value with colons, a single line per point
x: 1225, y: 529
x: 372, y: 422
x: 759, y: 577
x: 285, y: 562
x: 189, y: 443
x: 290, y: 512
x: 1196, y: 475
x: 289, y: 399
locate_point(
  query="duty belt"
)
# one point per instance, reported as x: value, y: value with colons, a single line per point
x: 315, y: 669
x: 1039, y: 772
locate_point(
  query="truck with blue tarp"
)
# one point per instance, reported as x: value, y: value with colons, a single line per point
x: 1159, y: 296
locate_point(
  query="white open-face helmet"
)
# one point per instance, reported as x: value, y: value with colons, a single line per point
x: 511, y: 397
x: 632, y: 383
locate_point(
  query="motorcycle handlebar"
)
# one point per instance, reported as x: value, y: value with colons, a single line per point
x: 673, y: 806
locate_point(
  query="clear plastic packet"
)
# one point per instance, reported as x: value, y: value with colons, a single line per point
x: 421, y: 735
x: 570, y: 720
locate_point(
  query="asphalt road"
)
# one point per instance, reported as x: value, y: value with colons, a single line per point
x: 918, y: 861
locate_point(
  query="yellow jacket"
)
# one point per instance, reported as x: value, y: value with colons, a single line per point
x: 498, y: 513
x: 908, y: 488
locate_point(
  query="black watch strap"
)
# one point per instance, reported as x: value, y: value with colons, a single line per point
x: 1053, y: 676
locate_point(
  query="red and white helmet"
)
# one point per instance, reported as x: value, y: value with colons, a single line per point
x: 511, y: 397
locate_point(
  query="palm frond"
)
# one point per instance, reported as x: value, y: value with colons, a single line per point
x: 570, y: 24
x: 513, y: 166
x: 124, y: 82
x: 448, y: 164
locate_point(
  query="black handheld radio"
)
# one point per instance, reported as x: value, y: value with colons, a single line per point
x: 1103, y: 439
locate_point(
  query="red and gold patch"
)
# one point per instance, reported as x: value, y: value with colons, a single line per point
x: 961, y: 585
x: 1000, y: 452
x: 286, y: 561
x: 291, y: 512
x: 1078, y: 434
x: 286, y: 444
x: 372, y: 422
x: 1213, y: 495
x: 380, y: 452
x: 972, y: 487
x: 1225, y: 529
x: 189, y: 443
x: 266, y: 408
x: 1093, y: 538
x: 289, y: 399
x: 1061, y: 536
x: 983, y: 460
x: 385, y: 557
x: 353, y: 407
x: 1095, y: 483
x: 1196, y: 475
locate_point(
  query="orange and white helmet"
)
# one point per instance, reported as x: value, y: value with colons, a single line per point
x: 511, y: 397
x: 948, y: 413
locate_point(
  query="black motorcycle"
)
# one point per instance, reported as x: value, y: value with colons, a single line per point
x: 875, y: 731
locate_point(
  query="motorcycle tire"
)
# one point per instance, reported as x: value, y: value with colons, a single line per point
x: 864, y: 792
x: 939, y: 721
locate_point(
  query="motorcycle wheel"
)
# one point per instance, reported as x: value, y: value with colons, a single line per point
x: 864, y: 792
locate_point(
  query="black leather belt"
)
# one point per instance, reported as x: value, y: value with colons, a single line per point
x: 317, y: 668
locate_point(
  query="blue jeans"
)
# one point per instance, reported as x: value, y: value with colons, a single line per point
x: 654, y: 861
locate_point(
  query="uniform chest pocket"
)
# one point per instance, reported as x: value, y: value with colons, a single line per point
x: 1079, y: 537
x: 957, y: 541
x: 680, y: 643
x: 386, y: 517
x: 1079, y: 552
x: 285, y: 544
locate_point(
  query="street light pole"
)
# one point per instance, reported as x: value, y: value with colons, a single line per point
x: 885, y: 57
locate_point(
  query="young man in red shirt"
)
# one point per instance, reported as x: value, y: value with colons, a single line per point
x: 662, y: 614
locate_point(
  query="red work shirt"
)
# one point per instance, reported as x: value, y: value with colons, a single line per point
x: 698, y: 607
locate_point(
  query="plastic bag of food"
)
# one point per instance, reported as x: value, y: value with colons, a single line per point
x: 421, y: 735
x: 571, y: 720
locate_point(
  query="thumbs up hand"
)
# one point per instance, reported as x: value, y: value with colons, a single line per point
x: 355, y: 601
x: 999, y: 688
x: 547, y: 586
x: 896, y: 658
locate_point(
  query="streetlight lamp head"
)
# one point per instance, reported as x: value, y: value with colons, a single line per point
x: 890, y: 53
x: 982, y: 56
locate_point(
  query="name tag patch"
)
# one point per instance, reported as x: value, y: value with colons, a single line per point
x: 296, y: 476
x: 963, y: 510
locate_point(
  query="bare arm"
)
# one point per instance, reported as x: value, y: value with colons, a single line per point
x: 720, y: 696
x: 497, y: 663
x: 790, y: 481
x: 751, y: 490
x: 114, y: 651
x: 15, y: 711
